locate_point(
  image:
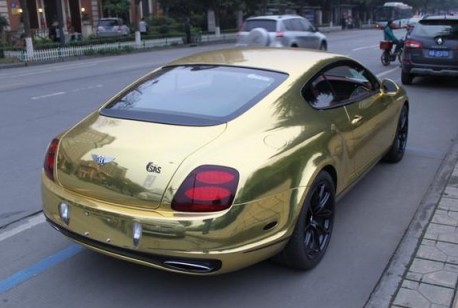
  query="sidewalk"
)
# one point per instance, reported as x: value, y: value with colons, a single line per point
x: 423, y: 271
x: 431, y: 279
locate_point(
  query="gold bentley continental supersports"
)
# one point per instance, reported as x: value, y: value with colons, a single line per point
x: 222, y: 159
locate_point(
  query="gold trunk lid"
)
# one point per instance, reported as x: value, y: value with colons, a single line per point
x: 125, y: 162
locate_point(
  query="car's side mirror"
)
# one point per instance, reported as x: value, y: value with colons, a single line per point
x: 389, y: 86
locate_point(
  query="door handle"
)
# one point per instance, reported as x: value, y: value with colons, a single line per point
x: 356, y: 120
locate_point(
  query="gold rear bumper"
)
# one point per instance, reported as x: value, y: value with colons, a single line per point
x: 199, y: 244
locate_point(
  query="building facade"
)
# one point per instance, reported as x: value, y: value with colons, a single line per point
x: 76, y: 13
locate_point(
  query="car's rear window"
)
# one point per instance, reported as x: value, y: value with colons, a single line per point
x: 108, y: 23
x: 197, y: 95
x: 433, y: 28
x: 268, y: 24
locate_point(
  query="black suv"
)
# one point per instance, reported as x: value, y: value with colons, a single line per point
x: 431, y: 48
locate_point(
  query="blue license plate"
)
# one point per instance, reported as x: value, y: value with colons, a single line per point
x: 438, y: 53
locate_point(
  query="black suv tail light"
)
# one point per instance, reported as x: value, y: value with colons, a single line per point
x: 207, y: 189
x: 412, y: 44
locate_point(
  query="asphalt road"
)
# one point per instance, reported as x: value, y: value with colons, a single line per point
x: 40, y: 268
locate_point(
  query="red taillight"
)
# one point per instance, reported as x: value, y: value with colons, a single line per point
x: 279, y: 34
x: 412, y: 44
x: 215, y: 177
x: 207, y: 189
x: 50, y: 158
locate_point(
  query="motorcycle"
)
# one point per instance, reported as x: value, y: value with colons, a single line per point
x: 388, y: 55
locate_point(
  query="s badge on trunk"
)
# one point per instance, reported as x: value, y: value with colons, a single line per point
x: 151, y: 167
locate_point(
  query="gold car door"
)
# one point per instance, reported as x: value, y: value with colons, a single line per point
x: 366, y: 106
x: 367, y: 117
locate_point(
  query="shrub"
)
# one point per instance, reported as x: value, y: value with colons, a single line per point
x: 160, y: 20
x: 163, y: 29
x: 108, y: 51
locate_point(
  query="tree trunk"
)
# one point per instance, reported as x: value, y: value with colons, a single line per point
x: 28, y: 42
x: 25, y: 18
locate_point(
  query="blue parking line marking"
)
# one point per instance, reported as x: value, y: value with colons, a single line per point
x: 27, y: 273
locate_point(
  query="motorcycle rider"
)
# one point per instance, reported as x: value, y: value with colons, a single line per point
x: 389, y: 36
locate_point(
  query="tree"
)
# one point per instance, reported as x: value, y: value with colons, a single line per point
x: 253, y: 7
x: 3, y: 23
x: 219, y: 6
x: 184, y: 8
x: 25, y: 18
x: 116, y: 8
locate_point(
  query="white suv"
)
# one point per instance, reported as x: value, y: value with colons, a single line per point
x: 111, y: 26
x: 281, y: 31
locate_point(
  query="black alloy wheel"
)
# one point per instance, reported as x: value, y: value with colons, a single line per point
x: 313, y: 230
x: 406, y: 78
x: 318, y: 221
x: 398, y: 148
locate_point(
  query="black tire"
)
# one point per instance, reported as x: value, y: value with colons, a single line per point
x: 398, y: 148
x: 324, y: 46
x: 400, y: 55
x: 385, y: 58
x: 406, y: 78
x: 313, y: 229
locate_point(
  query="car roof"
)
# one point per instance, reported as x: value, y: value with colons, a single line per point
x: 292, y: 61
x: 440, y: 17
x: 274, y: 17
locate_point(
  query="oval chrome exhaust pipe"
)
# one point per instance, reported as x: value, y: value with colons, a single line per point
x: 189, y: 266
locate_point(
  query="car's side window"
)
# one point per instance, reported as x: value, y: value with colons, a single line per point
x: 306, y: 25
x: 338, y: 85
x: 349, y: 82
x: 289, y: 26
x: 297, y: 24
x: 319, y: 94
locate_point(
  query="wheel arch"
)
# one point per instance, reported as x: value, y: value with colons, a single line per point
x: 327, y: 167
x: 332, y: 172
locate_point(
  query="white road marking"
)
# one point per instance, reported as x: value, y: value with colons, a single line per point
x: 30, y: 223
x: 379, y: 75
x: 49, y: 95
x: 365, y: 47
x: 87, y: 88
x: 63, y: 93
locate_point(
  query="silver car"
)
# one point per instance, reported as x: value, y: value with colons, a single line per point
x: 111, y: 26
x: 281, y: 31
